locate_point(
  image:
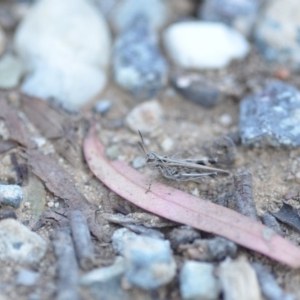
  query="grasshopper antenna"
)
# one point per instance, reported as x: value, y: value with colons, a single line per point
x: 142, y: 143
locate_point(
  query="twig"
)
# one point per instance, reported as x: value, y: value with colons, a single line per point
x: 82, y: 239
x: 67, y: 265
x: 243, y: 194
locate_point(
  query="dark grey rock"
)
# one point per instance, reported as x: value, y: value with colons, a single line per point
x: 271, y: 117
x: 239, y: 14
x: 268, y: 284
x: 149, y: 263
x: 11, y: 195
x: 183, y: 235
x: 272, y: 223
x: 197, y: 281
x: 196, y: 88
x: 138, y: 65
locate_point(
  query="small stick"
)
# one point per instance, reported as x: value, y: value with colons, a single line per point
x: 67, y: 287
x: 271, y: 222
x: 7, y: 214
x: 244, y: 195
x: 82, y: 239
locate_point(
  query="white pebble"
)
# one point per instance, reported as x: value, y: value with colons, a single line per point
x: 204, y: 45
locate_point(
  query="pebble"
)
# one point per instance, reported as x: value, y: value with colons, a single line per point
x: 112, y: 152
x: 11, y: 70
x: 27, y: 277
x: 271, y: 117
x: 238, y: 280
x: 156, y: 11
x: 197, y: 281
x: 240, y: 15
x: 167, y: 144
x: 139, y: 162
x: 64, y: 62
x: 204, y: 45
x: 269, y: 287
x: 103, y: 107
x: 120, y: 237
x: 215, y: 249
x: 2, y: 41
x: 145, y: 117
x: 11, y: 195
x: 149, y: 263
x: 277, y: 32
x: 183, y: 235
x: 138, y: 65
x: 19, y: 244
x: 105, y: 274
x: 195, y: 87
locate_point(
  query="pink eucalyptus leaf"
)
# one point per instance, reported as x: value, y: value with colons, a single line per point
x: 184, y: 208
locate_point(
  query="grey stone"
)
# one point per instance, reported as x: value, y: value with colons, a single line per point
x: 271, y: 117
x: 19, y: 244
x: 149, y: 263
x: 120, y: 237
x: 139, y: 162
x: 138, y: 65
x: 183, y: 235
x: 112, y: 152
x: 105, y: 274
x: 157, y: 12
x: 197, y: 88
x: 11, y: 195
x: 197, y: 281
x: 11, y: 70
x: 103, y: 106
x: 277, y: 32
x: 27, y: 277
x: 239, y: 14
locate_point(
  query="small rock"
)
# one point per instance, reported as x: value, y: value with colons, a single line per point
x: 204, y: 45
x: 112, y: 152
x: 156, y: 11
x: 271, y: 117
x: 19, y: 244
x: 102, y: 107
x: 277, y: 32
x: 167, y: 144
x: 145, y: 117
x: 269, y: 287
x: 138, y: 65
x: 64, y: 45
x: 27, y: 277
x: 197, y: 282
x: 238, y: 280
x: 149, y: 263
x: 139, y: 162
x: 11, y: 195
x: 2, y: 41
x: 11, y: 70
x: 106, y: 274
x: 215, y: 249
x: 120, y: 237
x: 240, y: 15
x: 183, y: 235
x: 196, y: 88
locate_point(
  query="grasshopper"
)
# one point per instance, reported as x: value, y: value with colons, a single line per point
x: 181, y: 169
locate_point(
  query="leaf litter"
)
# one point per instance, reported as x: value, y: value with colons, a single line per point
x: 184, y: 208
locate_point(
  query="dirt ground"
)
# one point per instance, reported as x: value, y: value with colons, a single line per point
x: 191, y: 127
